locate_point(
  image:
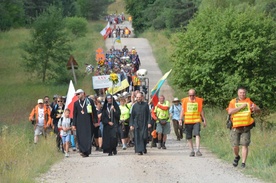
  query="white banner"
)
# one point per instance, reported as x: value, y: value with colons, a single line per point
x: 103, y: 81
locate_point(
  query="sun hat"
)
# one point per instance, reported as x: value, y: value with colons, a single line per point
x: 176, y: 99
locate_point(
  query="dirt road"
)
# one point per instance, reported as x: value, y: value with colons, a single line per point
x: 170, y: 165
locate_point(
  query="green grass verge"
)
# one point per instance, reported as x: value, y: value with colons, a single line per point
x: 21, y: 160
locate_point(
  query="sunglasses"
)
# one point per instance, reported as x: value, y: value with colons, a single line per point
x: 78, y: 94
x: 59, y: 101
x: 191, y: 95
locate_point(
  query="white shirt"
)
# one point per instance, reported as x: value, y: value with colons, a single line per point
x: 40, y: 117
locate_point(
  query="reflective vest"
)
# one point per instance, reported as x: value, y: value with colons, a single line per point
x: 125, y: 112
x: 135, y: 81
x: 243, y: 117
x: 126, y: 31
x: 192, y: 110
x: 162, y: 114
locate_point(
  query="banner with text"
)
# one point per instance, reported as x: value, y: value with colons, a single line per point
x: 103, y: 81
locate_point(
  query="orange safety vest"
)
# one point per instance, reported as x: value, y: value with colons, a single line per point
x: 192, y: 110
x: 243, y: 117
x: 136, y: 81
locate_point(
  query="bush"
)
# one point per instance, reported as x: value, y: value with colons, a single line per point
x: 224, y: 49
x: 77, y: 25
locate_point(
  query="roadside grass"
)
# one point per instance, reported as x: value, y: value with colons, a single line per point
x: 261, y: 162
x: 21, y: 160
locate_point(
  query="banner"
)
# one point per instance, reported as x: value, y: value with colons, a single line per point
x: 124, y: 85
x: 103, y: 81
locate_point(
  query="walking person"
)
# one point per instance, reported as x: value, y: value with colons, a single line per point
x: 110, y: 119
x: 192, y: 111
x: 241, y: 110
x: 140, y: 122
x: 41, y: 119
x: 175, y: 111
x: 65, y: 124
x: 161, y: 111
x: 84, y: 117
x: 57, y: 112
x: 124, y: 121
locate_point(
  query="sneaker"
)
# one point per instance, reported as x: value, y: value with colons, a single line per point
x: 74, y: 149
x: 163, y: 146
x: 198, y: 153
x: 66, y: 155
x: 236, y: 161
x: 192, y: 154
x: 124, y: 147
x: 243, y: 165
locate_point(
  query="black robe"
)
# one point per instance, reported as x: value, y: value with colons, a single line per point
x: 110, y: 133
x: 84, y: 125
x: 139, y: 119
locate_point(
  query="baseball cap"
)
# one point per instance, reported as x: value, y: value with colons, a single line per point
x: 79, y: 91
x: 40, y: 101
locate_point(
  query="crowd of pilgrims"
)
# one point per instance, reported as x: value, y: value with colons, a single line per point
x: 124, y: 136
x: 124, y: 62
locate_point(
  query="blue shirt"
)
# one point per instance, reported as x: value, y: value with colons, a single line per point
x: 175, y: 110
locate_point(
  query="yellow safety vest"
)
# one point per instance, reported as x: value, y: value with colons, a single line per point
x: 162, y: 114
x: 243, y: 117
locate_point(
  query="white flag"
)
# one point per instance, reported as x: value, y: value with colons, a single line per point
x: 106, y: 31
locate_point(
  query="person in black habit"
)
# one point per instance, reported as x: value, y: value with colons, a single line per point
x: 110, y: 119
x: 140, y: 121
x: 84, y: 115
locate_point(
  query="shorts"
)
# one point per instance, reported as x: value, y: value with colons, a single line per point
x: 39, y: 130
x: 66, y: 138
x: 124, y: 131
x: 240, y: 136
x: 164, y: 129
x: 192, y: 130
x: 96, y: 132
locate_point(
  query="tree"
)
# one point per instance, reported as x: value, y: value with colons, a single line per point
x: 48, y: 51
x: 226, y: 48
x: 92, y: 9
x: 11, y: 14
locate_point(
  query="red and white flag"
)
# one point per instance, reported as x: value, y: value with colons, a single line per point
x: 106, y: 31
x: 71, y: 98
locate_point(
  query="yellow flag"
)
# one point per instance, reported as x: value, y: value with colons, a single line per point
x: 124, y: 84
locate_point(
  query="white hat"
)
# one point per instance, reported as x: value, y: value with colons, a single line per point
x: 40, y: 101
x: 176, y: 99
x: 115, y: 97
x: 79, y: 91
x: 125, y: 93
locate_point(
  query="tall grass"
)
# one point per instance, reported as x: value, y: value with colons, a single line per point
x: 261, y: 160
x: 21, y: 160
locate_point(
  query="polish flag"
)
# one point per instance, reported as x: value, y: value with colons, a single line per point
x: 106, y: 31
x: 71, y: 98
